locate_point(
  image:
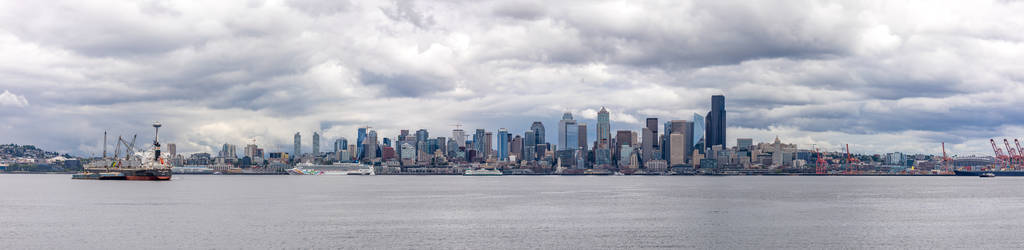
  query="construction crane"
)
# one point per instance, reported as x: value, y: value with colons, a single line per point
x: 1014, y: 156
x: 1001, y: 158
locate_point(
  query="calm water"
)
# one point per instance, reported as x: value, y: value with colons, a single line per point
x: 577, y: 212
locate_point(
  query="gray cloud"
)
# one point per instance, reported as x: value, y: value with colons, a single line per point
x: 885, y: 76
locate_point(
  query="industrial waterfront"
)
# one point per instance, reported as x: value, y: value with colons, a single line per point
x: 737, y: 212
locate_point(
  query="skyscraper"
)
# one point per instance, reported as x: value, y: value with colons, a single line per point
x: 316, y: 144
x: 572, y: 136
x: 582, y: 136
x: 563, y: 126
x: 652, y: 125
x: 698, y: 130
x: 371, y: 148
x: 679, y: 151
x: 172, y: 149
x: 715, y: 134
x: 478, y: 141
x: 360, y: 142
x: 503, y: 144
x: 298, y: 144
x: 340, y: 144
x: 647, y: 143
x: 488, y: 142
x: 459, y: 136
x: 604, y: 128
x: 538, y: 133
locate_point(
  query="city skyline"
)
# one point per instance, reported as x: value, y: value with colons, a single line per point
x: 880, y: 76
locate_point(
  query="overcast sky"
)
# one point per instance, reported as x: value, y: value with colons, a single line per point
x: 880, y: 75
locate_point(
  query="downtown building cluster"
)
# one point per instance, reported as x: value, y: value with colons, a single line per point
x: 693, y: 146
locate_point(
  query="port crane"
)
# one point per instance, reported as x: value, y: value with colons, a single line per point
x: 1015, y: 157
x: 820, y: 166
x: 1019, y: 150
x: 945, y: 158
x: 1001, y: 157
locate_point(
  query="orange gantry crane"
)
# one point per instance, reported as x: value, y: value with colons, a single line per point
x: 1001, y: 158
x: 820, y: 166
x: 1015, y: 158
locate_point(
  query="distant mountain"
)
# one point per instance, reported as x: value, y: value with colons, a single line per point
x: 28, y: 151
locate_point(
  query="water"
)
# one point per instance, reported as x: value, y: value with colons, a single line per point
x: 574, y: 212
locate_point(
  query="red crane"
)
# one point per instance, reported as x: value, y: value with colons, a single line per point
x: 1014, y: 156
x: 820, y: 167
x: 1001, y: 158
x: 849, y: 159
x: 1019, y: 149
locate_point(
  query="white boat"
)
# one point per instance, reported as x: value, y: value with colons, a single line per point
x: 482, y: 172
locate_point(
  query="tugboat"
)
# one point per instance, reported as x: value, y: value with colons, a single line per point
x: 143, y: 168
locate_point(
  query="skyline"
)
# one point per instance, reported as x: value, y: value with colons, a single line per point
x: 880, y: 76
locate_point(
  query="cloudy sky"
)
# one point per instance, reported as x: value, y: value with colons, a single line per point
x: 880, y: 75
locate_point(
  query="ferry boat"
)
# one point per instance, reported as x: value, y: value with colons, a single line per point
x: 131, y: 167
x: 482, y: 172
x: 993, y: 172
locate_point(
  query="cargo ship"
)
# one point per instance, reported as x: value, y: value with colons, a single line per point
x: 135, y: 166
x: 995, y: 172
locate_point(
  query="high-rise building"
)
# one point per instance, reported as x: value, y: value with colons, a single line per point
x: 316, y: 144
x: 647, y: 143
x: 298, y: 144
x: 572, y: 136
x: 403, y: 134
x: 422, y: 135
x: 622, y: 137
x: 503, y: 144
x: 652, y: 125
x: 698, y: 131
x: 685, y: 130
x: 488, y: 142
x: 372, y: 150
x: 715, y: 134
x: 582, y: 136
x: 538, y: 132
x: 478, y: 141
x: 459, y: 136
x: 172, y: 149
x: 563, y: 131
x: 743, y: 143
x: 515, y: 148
x: 360, y: 143
x: 604, y: 128
x: 340, y: 144
x: 677, y: 156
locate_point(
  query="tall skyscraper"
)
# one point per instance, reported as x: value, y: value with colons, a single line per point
x: 538, y: 132
x: 563, y: 126
x: 503, y: 144
x: 371, y: 147
x: 316, y: 144
x: 572, y: 136
x: 604, y: 128
x: 683, y: 149
x: 647, y: 143
x: 715, y: 134
x: 488, y: 142
x: 515, y: 147
x: 698, y: 130
x: 478, y: 141
x: 676, y: 155
x: 360, y: 142
x: 459, y: 136
x: 582, y: 136
x: 298, y: 145
x: 652, y: 125
x: 340, y: 144
x: 172, y: 149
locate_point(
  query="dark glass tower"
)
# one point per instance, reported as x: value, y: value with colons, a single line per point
x: 715, y: 130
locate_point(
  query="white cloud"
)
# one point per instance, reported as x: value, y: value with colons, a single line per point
x: 8, y: 99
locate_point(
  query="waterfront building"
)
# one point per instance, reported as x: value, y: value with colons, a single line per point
x: 715, y: 134
x: 604, y: 128
x: 298, y: 145
x: 316, y: 144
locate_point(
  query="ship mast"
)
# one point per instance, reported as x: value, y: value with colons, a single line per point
x: 156, y: 141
